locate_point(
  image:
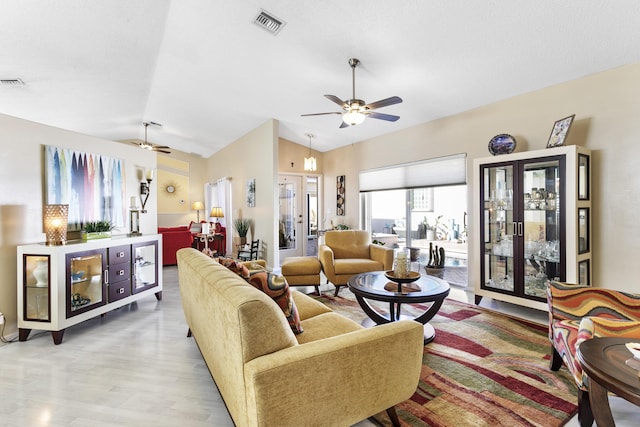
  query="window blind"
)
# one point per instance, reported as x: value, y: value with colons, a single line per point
x: 439, y: 171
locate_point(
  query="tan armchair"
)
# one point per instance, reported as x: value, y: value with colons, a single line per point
x: 349, y: 252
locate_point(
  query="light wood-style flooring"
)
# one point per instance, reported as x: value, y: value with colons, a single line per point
x: 136, y: 367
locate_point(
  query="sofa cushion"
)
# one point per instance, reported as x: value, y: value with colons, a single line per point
x: 326, y: 325
x: 237, y: 267
x: 278, y: 289
x: 356, y: 265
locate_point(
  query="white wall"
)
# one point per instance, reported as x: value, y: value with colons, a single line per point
x: 607, y: 107
x: 21, y: 191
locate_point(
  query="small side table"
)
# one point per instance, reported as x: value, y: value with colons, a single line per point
x: 605, y: 362
x: 206, y: 238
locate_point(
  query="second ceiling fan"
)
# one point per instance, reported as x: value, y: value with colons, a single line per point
x: 354, y: 110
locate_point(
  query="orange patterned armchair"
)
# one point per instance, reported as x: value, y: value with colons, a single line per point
x: 578, y: 313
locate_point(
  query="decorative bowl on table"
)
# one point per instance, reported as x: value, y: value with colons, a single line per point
x: 412, y: 276
x: 634, y: 348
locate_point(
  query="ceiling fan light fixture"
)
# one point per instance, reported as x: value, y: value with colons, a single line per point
x: 353, y: 118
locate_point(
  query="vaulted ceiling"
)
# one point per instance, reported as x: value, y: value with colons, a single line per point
x: 209, y: 74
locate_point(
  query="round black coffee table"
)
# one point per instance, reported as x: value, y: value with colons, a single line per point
x: 376, y: 286
x: 610, y: 367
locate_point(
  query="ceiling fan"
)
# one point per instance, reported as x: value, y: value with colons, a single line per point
x: 147, y: 145
x: 354, y: 110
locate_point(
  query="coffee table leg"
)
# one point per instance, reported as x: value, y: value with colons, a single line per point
x: 429, y: 333
x: 600, y: 404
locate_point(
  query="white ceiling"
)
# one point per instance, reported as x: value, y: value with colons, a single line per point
x: 209, y: 75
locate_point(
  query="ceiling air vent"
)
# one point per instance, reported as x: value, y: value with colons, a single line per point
x: 269, y: 22
x: 11, y: 82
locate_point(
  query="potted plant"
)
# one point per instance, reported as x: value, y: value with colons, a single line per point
x: 242, y: 227
x: 96, y: 230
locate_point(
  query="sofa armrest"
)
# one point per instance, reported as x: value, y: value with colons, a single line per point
x: 375, y: 369
x: 326, y: 257
x: 382, y: 254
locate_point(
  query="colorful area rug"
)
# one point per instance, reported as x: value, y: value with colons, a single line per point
x: 482, y: 369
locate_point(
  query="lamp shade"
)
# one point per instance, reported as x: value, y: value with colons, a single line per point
x: 196, y: 206
x: 55, y: 223
x: 216, y: 212
x: 310, y: 164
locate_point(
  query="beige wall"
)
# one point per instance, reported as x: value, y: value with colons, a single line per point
x: 255, y: 155
x: 21, y: 191
x: 290, y: 152
x: 197, y: 177
x: 606, y: 106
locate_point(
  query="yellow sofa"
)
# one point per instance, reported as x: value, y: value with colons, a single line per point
x: 335, y: 373
x: 349, y: 252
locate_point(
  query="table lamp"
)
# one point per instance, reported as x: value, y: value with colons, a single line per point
x: 216, y: 212
x: 197, y: 206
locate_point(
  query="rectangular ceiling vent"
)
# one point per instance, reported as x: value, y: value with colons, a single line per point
x: 11, y: 82
x: 269, y: 22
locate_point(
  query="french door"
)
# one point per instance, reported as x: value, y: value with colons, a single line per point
x: 298, y: 198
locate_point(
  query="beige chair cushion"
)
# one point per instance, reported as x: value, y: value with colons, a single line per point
x: 348, y: 243
x: 356, y: 266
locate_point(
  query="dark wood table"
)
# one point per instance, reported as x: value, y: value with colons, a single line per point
x: 375, y: 285
x: 610, y: 367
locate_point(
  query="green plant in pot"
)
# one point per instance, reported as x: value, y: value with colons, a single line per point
x: 96, y: 230
x: 242, y: 226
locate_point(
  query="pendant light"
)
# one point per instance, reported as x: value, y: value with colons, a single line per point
x: 310, y: 162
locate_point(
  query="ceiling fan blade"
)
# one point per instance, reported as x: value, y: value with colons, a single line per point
x: 337, y: 100
x: 387, y: 117
x: 162, y: 151
x: 384, y: 102
x: 344, y: 125
x: 320, y: 114
x: 161, y: 146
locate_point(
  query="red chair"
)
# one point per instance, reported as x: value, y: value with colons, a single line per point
x: 174, y: 238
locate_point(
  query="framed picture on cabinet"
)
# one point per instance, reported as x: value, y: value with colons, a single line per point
x: 583, y: 177
x: 560, y: 131
x: 583, y: 273
x: 583, y: 230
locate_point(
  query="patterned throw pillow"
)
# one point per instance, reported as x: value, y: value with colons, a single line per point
x: 278, y: 289
x: 235, y: 266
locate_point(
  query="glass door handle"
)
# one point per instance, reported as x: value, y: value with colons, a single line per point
x: 518, y: 228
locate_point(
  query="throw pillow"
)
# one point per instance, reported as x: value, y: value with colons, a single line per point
x: 278, y: 289
x: 235, y: 266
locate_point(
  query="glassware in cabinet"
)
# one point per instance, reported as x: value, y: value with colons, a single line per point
x: 145, y: 261
x: 37, y: 288
x: 497, y: 203
x: 86, y: 287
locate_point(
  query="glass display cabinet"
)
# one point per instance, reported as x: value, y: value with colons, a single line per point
x: 36, y: 288
x: 532, y: 225
x: 60, y: 286
x: 86, y: 287
x: 145, y: 266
